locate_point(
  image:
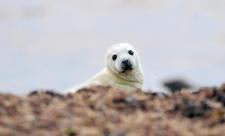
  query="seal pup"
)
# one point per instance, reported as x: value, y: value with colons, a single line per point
x: 123, y: 70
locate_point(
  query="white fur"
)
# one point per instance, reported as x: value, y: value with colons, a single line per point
x: 112, y: 75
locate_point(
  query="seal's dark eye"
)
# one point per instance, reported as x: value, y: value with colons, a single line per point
x: 114, y: 57
x: 131, y: 52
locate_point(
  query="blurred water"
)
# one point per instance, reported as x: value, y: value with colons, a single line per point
x: 58, y: 44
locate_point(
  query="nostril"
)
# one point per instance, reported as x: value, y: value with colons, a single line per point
x: 125, y: 62
x: 126, y: 65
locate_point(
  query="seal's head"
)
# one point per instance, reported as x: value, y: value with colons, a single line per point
x: 123, y: 61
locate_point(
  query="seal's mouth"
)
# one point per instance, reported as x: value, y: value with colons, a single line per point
x: 126, y: 65
x: 126, y: 70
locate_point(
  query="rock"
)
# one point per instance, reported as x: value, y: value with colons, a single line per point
x: 177, y: 85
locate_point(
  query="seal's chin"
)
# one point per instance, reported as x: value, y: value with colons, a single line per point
x: 126, y: 71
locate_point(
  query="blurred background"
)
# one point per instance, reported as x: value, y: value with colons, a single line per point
x: 55, y: 44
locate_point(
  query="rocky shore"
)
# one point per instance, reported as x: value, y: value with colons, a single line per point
x: 104, y: 111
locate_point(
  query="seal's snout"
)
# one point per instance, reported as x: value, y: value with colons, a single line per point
x: 126, y: 65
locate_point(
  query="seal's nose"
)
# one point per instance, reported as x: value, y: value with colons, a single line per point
x: 126, y: 65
